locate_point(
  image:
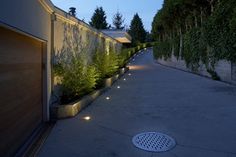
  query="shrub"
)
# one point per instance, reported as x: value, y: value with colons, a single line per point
x: 126, y: 53
x: 77, y: 79
x: 123, y: 57
x: 162, y: 50
x: 106, y: 63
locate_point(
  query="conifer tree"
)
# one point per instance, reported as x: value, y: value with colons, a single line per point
x: 98, y: 19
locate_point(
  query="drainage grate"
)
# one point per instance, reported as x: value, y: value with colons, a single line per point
x: 153, y: 141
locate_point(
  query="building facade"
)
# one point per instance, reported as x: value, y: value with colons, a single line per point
x: 32, y: 32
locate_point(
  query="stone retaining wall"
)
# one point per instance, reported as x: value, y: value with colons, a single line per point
x: 224, y: 69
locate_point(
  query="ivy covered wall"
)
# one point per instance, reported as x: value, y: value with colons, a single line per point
x: 200, y: 32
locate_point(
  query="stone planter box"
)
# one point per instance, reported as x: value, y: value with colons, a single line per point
x: 72, y: 109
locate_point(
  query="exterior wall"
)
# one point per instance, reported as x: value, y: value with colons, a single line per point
x: 234, y: 72
x: 68, y: 28
x: 71, y: 36
x: 57, y: 31
x: 30, y: 18
x: 40, y: 19
x: 223, y: 68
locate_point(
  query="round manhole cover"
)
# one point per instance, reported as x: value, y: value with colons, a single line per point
x: 153, y: 141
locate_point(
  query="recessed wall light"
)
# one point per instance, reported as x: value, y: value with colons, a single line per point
x: 87, y: 118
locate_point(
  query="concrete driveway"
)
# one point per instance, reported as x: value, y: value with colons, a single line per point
x: 199, y: 113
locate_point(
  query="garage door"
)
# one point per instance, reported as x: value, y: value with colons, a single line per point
x: 20, y: 89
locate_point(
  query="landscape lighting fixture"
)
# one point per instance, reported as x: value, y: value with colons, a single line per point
x: 129, y: 74
x: 87, y: 118
x: 124, y: 79
x: 118, y: 87
x: 108, y: 98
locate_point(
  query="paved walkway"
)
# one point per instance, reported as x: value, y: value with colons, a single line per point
x: 199, y: 113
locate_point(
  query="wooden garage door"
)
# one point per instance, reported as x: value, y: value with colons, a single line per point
x: 20, y: 89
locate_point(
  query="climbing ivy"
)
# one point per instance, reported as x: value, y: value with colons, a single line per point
x: 203, y: 32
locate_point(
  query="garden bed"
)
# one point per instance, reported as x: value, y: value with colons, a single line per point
x: 72, y: 109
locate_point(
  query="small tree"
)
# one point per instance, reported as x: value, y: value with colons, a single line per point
x: 137, y: 30
x: 118, y: 20
x: 98, y: 19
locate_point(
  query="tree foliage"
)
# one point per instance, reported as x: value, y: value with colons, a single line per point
x: 77, y: 77
x: 197, y: 30
x: 98, y: 19
x: 118, y: 20
x: 106, y: 63
x: 137, y: 30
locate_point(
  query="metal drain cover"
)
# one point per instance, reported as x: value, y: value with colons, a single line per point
x: 153, y: 141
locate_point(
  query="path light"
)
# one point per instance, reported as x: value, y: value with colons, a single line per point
x: 118, y: 87
x: 87, y: 118
x: 124, y: 79
x: 129, y: 74
x: 108, y: 98
x: 123, y: 70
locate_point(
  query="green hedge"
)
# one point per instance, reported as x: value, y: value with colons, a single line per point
x: 126, y: 53
x: 206, y: 38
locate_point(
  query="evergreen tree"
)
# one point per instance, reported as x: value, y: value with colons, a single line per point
x: 118, y: 20
x: 98, y: 19
x: 137, y: 30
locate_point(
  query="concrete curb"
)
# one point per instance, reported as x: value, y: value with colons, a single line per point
x: 72, y: 109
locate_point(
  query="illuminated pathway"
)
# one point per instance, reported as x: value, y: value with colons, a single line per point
x: 199, y: 113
